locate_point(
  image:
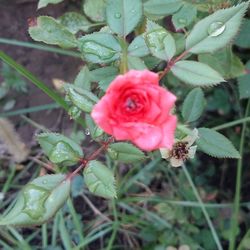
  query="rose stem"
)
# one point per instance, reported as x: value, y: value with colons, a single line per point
x: 171, y: 63
x: 91, y: 157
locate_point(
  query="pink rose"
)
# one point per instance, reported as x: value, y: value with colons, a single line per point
x: 136, y: 108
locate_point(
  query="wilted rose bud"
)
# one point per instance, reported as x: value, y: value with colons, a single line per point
x: 181, y: 150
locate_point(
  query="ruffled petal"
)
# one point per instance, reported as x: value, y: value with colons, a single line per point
x: 166, y: 103
x: 120, y: 133
x: 145, y: 136
x: 134, y: 77
x: 100, y: 115
x: 168, y: 129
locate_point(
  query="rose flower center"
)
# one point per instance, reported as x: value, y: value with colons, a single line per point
x: 133, y: 104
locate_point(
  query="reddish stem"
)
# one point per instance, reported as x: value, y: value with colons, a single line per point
x: 171, y: 63
x: 93, y: 156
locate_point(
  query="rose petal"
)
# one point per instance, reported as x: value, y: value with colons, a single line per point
x: 143, y: 76
x: 168, y: 129
x: 145, y: 136
x: 100, y: 115
x: 134, y: 77
x: 120, y: 133
x: 166, y: 103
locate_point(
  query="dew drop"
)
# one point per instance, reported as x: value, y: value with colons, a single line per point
x: 96, y: 49
x: 133, y: 11
x: 87, y: 131
x: 182, y: 20
x: 155, y: 39
x: 216, y: 29
x: 34, y: 201
x: 118, y: 15
x: 45, y: 181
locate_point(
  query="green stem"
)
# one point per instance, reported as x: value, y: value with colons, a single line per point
x: 10, y: 178
x: 115, y: 226
x: 44, y: 235
x: 233, y: 123
x: 30, y: 110
x: 77, y: 222
x: 39, y: 47
x: 234, y: 220
x: 209, y: 222
x: 24, y: 72
x: 124, y: 57
x: 172, y: 62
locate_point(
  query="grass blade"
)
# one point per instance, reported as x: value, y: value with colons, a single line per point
x: 24, y: 72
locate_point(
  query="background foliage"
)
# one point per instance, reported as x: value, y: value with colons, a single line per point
x: 156, y: 206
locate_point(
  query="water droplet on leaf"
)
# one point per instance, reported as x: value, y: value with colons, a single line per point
x: 34, y: 199
x: 118, y: 15
x: 216, y: 29
x: 62, y: 152
x: 87, y: 131
x: 45, y: 181
x: 182, y: 20
x: 99, y: 50
x: 113, y: 154
x: 155, y: 39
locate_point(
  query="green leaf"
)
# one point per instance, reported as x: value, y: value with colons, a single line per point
x: 245, y: 241
x: 63, y: 153
x: 100, y: 179
x: 136, y: 63
x: 159, y: 8
x: 94, y: 9
x: 196, y: 73
x: 243, y: 38
x: 160, y: 42
x: 74, y: 112
x: 185, y: 16
x: 151, y: 62
x: 38, y: 201
x: 83, y: 79
x: 3, y: 90
x: 44, y: 3
x: 225, y: 62
x: 216, y: 144
x: 49, y: 31
x: 99, y: 47
x: 219, y: 101
x: 179, y: 42
x: 94, y: 130
x: 138, y: 47
x: 217, y: 30
x: 74, y: 22
x: 123, y: 15
x: 104, y: 76
x: 102, y: 73
x: 81, y: 98
x: 125, y: 152
x: 244, y: 83
x: 60, y: 149
x: 193, y: 105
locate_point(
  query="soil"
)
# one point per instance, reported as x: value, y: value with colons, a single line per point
x: 45, y: 65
